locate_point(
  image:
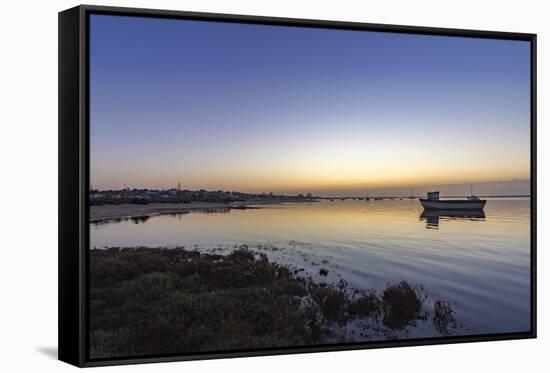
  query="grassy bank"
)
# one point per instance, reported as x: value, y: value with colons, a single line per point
x: 155, y: 301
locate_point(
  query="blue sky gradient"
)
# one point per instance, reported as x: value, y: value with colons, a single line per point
x: 288, y: 109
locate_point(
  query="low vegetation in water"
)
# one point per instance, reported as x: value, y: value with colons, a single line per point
x: 148, y: 301
x: 402, y: 303
x: 444, y: 319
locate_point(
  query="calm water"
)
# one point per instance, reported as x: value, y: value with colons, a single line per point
x: 479, y: 262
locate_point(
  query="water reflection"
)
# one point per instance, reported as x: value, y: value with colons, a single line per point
x: 140, y: 219
x: 432, y: 216
x: 176, y: 214
x: 479, y: 260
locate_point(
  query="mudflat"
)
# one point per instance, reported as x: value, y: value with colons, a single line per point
x: 129, y: 210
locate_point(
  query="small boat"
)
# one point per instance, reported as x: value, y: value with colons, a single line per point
x: 432, y: 202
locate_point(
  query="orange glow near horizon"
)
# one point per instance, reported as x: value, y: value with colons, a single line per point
x: 333, y: 164
x: 291, y: 178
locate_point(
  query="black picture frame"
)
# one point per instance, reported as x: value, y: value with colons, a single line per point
x: 74, y: 180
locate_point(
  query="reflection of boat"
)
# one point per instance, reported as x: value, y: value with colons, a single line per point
x: 434, y: 203
x: 432, y: 216
x: 454, y: 214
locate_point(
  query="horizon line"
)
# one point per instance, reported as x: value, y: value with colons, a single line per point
x: 182, y: 187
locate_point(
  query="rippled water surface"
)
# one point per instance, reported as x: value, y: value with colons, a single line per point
x: 478, y: 261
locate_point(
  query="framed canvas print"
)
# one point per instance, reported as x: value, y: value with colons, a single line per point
x: 239, y: 186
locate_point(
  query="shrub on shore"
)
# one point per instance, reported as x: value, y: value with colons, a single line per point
x: 402, y: 304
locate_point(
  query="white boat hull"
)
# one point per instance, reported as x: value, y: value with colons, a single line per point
x: 453, y: 204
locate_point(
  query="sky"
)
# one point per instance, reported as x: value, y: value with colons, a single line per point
x: 262, y: 108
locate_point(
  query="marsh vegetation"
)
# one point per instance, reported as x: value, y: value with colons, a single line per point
x: 146, y: 301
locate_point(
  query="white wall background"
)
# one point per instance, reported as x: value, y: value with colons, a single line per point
x: 28, y: 184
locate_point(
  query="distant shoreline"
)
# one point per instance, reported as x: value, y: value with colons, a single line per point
x: 417, y: 197
x: 108, y: 212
